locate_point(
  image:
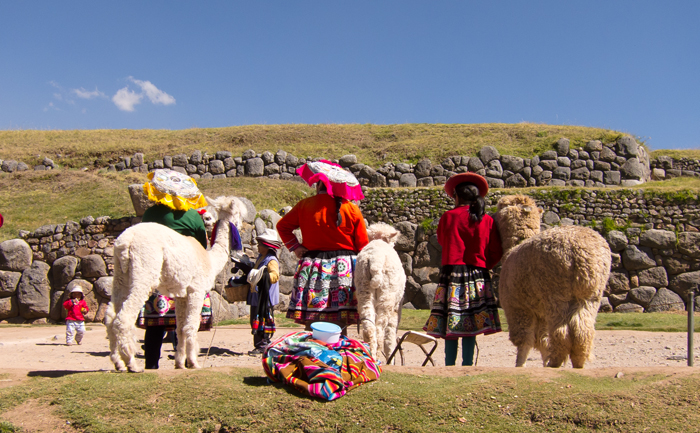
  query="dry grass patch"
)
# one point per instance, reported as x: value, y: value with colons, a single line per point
x: 373, y: 144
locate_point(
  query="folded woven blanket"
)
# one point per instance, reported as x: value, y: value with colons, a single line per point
x: 322, y: 370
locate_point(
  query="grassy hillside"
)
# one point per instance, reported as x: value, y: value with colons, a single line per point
x: 373, y: 144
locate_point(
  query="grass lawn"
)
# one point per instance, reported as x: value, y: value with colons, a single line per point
x: 238, y: 400
x: 661, y: 322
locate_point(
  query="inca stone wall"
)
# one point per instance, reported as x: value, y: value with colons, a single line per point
x: 654, y: 238
x: 596, y: 164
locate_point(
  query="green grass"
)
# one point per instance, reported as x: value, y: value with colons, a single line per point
x: 241, y: 400
x: 414, y: 320
x: 373, y: 144
x: 29, y: 200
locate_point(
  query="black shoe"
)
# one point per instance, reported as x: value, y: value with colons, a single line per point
x: 255, y: 352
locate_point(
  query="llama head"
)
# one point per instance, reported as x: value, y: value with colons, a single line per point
x: 209, y: 217
x: 383, y: 231
x: 229, y: 209
x: 518, y: 218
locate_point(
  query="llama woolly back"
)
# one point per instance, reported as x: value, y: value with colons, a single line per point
x: 551, y: 283
x: 150, y: 256
x: 380, y: 281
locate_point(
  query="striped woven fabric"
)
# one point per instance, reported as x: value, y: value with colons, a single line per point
x: 326, y: 371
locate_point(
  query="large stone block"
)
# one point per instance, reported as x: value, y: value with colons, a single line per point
x: 63, y: 270
x: 93, y: 266
x: 488, y: 154
x: 8, y: 283
x: 681, y: 284
x: 408, y: 180
x: 661, y: 239
x: 254, y: 167
x: 654, y: 277
x: 15, y: 255
x: 634, y: 258
x: 618, y: 282
x: 407, y: 239
x: 666, y: 300
x: 103, y: 286
x: 33, y: 291
x: 9, y: 308
x: 139, y: 199
x: 689, y: 244
x: 642, y: 295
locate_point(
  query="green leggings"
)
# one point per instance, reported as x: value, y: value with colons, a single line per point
x: 468, y: 344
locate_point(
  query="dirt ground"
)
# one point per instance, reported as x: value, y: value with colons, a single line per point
x: 41, y: 350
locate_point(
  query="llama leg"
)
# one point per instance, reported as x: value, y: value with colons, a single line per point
x: 381, y: 327
x: 582, y: 329
x: 521, y: 333
x: 390, y: 334
x: 195, y: 300
x: 542, y: 340
x: 559, y: 336
x: 180, y: 318
x: 113, y: 352
x: 368, y: 318
x: 123, y: 327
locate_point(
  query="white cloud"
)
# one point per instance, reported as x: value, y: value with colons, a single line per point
x: 125, y: 99
x: 86, y: 94
x: 154, y: 94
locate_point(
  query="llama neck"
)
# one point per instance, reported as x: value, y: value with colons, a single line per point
x: 219, y: 252
x: 515, y: 237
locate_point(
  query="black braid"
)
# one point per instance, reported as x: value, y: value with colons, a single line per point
x: 469, y: 193
x: 338, y: 203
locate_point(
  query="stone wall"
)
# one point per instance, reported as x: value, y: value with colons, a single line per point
x: 654, y: 238
x: 597, y: 164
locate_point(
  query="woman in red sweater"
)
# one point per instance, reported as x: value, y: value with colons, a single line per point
x: 333, y: 232
x: 464, y: 304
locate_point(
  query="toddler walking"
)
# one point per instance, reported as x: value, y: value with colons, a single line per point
x: 75, y: 321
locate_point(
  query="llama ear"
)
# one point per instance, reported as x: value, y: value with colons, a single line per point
x: 527, y: 209
x: 540, y: 210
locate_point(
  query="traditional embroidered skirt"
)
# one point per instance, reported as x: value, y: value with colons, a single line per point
x: 323, y: 288
x: 464, y: 304
x: 159, y: 310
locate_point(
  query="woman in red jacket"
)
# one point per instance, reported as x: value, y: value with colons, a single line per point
x: 464, y: 304
x: 333, y: 232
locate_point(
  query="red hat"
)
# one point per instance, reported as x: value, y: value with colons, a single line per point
x: 474, y: 178
x: 1, y: 220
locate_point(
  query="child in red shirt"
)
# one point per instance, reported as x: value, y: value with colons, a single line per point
x: 75, y: 321
x: 464, y: 304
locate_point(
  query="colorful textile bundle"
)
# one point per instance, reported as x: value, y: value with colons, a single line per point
x: 327, y: 371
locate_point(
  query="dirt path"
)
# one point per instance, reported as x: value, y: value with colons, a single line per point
x: 41, y: 350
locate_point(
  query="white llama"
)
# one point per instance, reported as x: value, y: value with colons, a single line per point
x: 150, y: 256
x: 380, y: 282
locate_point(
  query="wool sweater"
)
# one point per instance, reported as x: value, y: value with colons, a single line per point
x: 466, y: 242
x: 187, y: 223
x: 75, y: 309
x: 316, y: 217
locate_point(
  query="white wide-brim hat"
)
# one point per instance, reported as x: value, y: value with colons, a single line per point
x: 270, y: 238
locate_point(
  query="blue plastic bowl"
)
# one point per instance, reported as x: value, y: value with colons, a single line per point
x: 327, y: 332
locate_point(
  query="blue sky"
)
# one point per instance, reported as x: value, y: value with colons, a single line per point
x: 632, y: 66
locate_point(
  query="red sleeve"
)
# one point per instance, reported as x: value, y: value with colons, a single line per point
x: 494, y: 251
x: 84, y: 304
x: 360, y: 239
x: 286, y: 227
x: 67, y: 304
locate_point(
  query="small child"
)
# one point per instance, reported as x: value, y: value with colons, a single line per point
x: 263, y: 277
x: 75, y: 321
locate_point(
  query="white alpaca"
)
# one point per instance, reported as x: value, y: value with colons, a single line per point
x: 150, y: 256
x: 380, y: 282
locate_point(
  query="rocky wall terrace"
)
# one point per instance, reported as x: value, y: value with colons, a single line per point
x: 654, y: 238
x: 596, y: 164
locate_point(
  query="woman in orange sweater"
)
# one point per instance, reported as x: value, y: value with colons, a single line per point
x: 333, y: 232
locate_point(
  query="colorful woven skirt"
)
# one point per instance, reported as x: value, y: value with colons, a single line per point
x: 159, y: 310
x: 464, y: 304
x: 323, y: 288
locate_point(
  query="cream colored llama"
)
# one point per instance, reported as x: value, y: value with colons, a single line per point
x: 551, y: 284
x: 150, y: 256
x: 380, y: 282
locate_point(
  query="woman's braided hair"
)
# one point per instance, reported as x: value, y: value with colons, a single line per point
x: 469, y: 194
x: 338, y: 203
